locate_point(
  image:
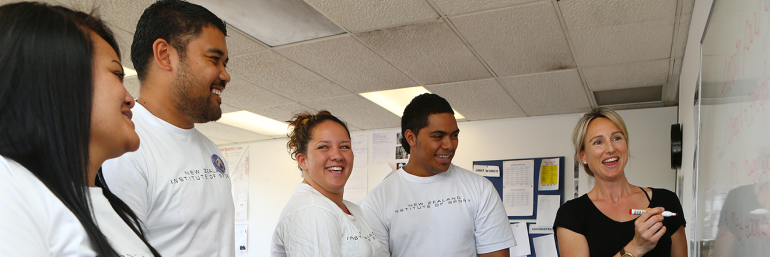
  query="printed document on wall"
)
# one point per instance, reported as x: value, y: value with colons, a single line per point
x: 545, y: 246
x: 383, y: 147
x: 357, y: 185
x: 518, y: 187
x: 521, y: 235
x: 549, y: 175
x: 547, y: 206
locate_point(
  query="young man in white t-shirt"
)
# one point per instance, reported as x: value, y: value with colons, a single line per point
x: 177, y: 183
x: 431, y: 207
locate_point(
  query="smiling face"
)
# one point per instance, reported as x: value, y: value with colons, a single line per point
x: 112, y: 131
x: 329, y: 158
x: 202, y: 77
x: 433, y: 148
x: 606, y: 149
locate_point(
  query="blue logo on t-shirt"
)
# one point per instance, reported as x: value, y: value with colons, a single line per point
x: 218, y: 163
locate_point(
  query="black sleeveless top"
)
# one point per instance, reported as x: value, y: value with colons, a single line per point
x: 606, y: 236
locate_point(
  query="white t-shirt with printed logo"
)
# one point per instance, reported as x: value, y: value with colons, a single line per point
x: 177, y: 186
x: 454, y: 213
x: 313, y: 225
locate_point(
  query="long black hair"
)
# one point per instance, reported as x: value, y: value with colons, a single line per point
x: 46, y: 97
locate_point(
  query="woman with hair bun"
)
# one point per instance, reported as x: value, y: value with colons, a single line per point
x: 317, y: 221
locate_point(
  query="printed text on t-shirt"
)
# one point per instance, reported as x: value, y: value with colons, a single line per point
x: 433, y: 203
x: 195, y: 175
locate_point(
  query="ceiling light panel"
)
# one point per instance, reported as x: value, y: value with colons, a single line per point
x: 274, y: 22
x: 255, y: 123
x: 396, y: 100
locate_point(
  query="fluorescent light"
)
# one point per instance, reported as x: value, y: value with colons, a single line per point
x: 396, y: 100
x: 254, y: 122
x: 128, y: 71
x: 274, y: 22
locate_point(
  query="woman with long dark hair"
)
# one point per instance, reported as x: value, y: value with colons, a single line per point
x: 63, y: 112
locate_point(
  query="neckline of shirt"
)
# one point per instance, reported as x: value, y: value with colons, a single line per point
x: 425, y: 180
x: 158, y: 122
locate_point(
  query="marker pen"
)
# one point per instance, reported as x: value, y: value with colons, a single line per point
x: 639, y: 212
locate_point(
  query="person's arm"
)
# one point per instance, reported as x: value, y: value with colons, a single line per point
x: 373, y: 218
x: 571, y: 244
x: 127, y: 178
x: 502, y: 253
x: 493, y: 229
x: 312, y: 231
x: 679, y: 243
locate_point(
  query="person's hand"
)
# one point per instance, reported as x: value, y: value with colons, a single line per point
x: 648, y: 229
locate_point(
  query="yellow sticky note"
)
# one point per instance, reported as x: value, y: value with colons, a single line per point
x: 549, y: 175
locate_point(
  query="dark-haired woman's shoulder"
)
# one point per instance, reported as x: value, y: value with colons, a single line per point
x: 34, y: 221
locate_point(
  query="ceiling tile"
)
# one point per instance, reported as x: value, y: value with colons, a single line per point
x: 280, y: 75
x: 132, y: 86
x: 455, y: 7
x: 347, y: 62
x: 282, y: 112
x: 357, y: 15
x: 228, y: 133
x: 357, y: 111
x: 622, y: 44
x: 430, y: 52
x: 518, y: 40
x: 671, y: 90
x: 585, y: 14
x: 123, y: 14
x: 244, y: 95
x: 479, y: 99
x: 608, y: 31
x: 680, y: 41
x: 628, y: 75
x: 239, y: 43
x: 688, y: 6
x: 548, y: 93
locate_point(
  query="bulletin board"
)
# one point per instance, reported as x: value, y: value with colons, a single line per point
x: 498, y: 181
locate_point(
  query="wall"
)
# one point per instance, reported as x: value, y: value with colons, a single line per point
x: 273, y: 176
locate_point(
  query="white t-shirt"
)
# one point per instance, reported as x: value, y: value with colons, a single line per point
x: 120, y: 236
x: 313, y: 225
x: 178, y: 184
x: 454, y: 213
x: 33, y: 221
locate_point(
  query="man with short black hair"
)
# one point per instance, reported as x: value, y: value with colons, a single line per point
x: 431, y: 207
x: 177, y: 182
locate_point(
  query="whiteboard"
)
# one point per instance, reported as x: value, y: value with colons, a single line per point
x: 733, y: 146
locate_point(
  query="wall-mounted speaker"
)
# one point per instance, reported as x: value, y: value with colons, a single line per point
x: 676, y: 146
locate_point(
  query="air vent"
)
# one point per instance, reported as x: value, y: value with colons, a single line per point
x: 629, y: 95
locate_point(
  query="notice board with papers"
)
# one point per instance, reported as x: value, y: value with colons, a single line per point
x: 522, y: 183
x: 531, y: 189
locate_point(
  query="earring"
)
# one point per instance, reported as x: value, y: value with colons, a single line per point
x: 585, y: 162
